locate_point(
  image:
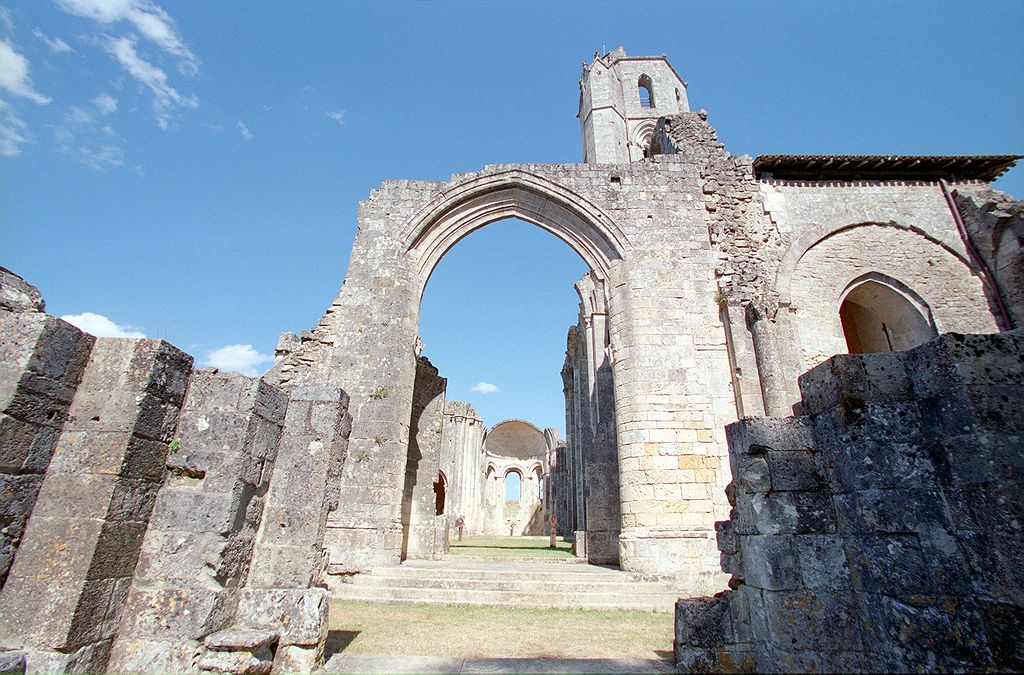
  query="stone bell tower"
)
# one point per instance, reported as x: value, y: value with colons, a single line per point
x: 621, y: 99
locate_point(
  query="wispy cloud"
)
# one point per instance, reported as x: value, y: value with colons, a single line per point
x: 166, y: 99
x: 337, y: 115
x: 11, y: 129
x: 147, y: 17
x: 101, y: 326
x: 14, y: 74
x: 244, y: 130
x: 484, y: 388
x: 56, y: 45
x: 105, y: 103
x: 91, y: 141
x: 241, y: 358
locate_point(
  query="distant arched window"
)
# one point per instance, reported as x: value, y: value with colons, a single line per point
x: 646, y: 90
x: 513, y: 486
x: 876, y: 317
x: 540, y: 484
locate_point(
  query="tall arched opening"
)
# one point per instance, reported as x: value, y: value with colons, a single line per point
x: 877, y: 317
x: 590, y: 235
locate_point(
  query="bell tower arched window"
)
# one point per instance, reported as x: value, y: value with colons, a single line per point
x: 645, y: 88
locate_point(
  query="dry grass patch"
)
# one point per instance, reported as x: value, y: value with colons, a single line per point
x: 497, y: 632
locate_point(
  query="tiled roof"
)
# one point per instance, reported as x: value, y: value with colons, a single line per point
x: 893, y: 167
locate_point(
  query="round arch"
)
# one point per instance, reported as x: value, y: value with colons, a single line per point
x: 468, y: 206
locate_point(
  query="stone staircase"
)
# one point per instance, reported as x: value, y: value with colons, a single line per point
x: 505, y: 582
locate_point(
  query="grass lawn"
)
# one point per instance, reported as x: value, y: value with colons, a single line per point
x: 513, y: 547
x: 497, y: 632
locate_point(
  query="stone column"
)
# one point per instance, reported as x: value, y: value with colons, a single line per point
x: 41, y: 362
x: 285, y: 591
x: 64, y: 596
x: 199, y: 543
x: 777, y: 372
x: 743, y: 361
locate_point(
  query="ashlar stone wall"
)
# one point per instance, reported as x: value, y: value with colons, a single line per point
x: 157, y: 519
x: 881, y: 532
x: 644, y: 235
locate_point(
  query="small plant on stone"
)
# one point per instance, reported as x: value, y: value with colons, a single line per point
x: 721, y: 299
x: 362, y: 456
x: 380, y: 393
x: 380, y: 439
x: 174, y: 446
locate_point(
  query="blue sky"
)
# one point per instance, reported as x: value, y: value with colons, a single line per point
x: 191, y: 170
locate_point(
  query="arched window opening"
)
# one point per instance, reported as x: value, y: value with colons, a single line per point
x: 878, y: 318
x: 645, y: 88
x: 679, y: 99
x: 540, y: 485
x: 440, y: 492
x: 513, y: 486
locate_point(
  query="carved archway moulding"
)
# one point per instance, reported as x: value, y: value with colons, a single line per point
x: 464, y: 207
x: 808, y: 240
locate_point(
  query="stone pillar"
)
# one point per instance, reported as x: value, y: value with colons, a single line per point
x: 462, y: 439
x: 64, y: 596
x: 423, y: 463
x: 285, y: 590
x: 777, y: 373
x: 199, y: 543
x: 743, y: 362
x: 41, y: 362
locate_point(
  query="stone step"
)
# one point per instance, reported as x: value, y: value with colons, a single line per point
x: 524, y: 585
x: 649, y: 602
x: 536, y: 573
x: 517, y: 559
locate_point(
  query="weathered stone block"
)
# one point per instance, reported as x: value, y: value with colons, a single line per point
x: 771, y: 562
x: 822, y: 561
x: 175, y: 613
x: 849, y: 381
x: 798, y: 620
x: 299, y: 614
x: 793, y: 471
x: 792, y: 513
x: 941, y: 631
x: 1004, y: 624
x: 891, y: 563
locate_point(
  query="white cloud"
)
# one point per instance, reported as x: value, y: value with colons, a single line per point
x: 484, y: 388
x: 242, y: 358
x: 103, y: 157
x: 101, y: 326
x: 147, y: 17
x: 246, y: 134
x: 56, y: 45
x: 11, y: 128
x: 89, y: 140
x: 338, y: 116
x: 165, y: 97
x: 5, y: 19
x: 105, y: 103
x: 14, y: 74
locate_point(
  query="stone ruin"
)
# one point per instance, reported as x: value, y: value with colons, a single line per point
x: 158, y: 517
x: 881, y: 531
